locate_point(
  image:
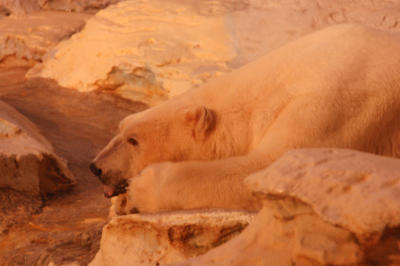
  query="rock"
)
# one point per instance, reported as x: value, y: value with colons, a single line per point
x: 20, y: 6
x: 27, y: 38
x: 149, y: 50
x: 335, y: 183
x: 29, y: 6
x: 321, y: 207
x: 30, y: 171
x: 28, y: 163
x: 76, y: 5
x: 142, y: 50
x: 153, y: 239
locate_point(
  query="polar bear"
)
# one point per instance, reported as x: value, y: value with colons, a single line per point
x: 338, y: 87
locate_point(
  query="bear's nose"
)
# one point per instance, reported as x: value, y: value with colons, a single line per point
x: 95, y: 170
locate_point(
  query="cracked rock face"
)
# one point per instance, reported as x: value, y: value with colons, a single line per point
x: 154, y: 239
x: 28, y: 163
x: 321, y: 207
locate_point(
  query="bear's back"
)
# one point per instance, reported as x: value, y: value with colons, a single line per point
x: 329, y: 59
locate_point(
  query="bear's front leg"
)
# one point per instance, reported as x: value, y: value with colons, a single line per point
x: 146, y: 192
x: 194, y: 185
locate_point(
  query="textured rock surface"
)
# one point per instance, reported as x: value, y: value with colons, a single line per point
x: 27, y: 160
x: 142, y: 50
x: 165, y: 238
x: 28, y: 38
x: 337, y: 184
x: 28, y: 6
x: 20, y: 6
x: 149, y: 49
x: 29, y: 168
x: 321, y: 207
x: 75, y: 5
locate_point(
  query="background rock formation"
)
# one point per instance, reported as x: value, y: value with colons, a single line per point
x: 25, y: 39
x: 32, y: 27
x: 148, y: 50
x: 29, y: 6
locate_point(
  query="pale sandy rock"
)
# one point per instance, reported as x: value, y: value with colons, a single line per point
x: 321, y: 207
x: 28, y: 163
x: 30, y: 37
x: 154, y: 239
x: 149, y: 50
x: 337, y: 183
x: 142, y: 50
x: 285, y: 233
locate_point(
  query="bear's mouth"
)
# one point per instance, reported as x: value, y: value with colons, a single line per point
x: 112, y: 191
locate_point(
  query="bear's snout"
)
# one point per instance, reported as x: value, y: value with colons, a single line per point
x: 95, y: 170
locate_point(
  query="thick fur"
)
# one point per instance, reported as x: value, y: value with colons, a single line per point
x: 339, y: 87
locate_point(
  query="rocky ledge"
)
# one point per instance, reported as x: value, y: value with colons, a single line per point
x: 30, y: 171
x: 154, y: 239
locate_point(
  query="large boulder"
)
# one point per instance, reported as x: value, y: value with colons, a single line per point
x: 149, y: 50
x: 321, y: 207
x: 142, y: 50
x: 154, y: 239
x: 27, y: 160
x: 30, y: 170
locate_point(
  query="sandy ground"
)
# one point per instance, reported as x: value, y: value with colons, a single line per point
x: 68, y: 227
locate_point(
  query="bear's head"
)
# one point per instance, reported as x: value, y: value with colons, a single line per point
x: 155, y: 135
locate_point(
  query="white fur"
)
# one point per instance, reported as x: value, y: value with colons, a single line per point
x: 339, y: 87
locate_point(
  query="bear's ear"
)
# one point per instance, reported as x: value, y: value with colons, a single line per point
x: 202, y: 120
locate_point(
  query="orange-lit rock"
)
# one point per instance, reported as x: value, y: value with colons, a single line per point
x: 29, y: 37
x: 28, y: 163
x: 21, y: 6
x: 30, y: 171
x: 142, y: 50
x: 321, y: 207
x: 148, y: 50
x: 75, y: 5
x: 155, y: 239
x: 29, y: 6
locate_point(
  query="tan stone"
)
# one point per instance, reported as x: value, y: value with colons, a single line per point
x: 29, y: 6
x: 75, y: 5
x: 20, y: 6
x: 285, y: 233
x: 155, y: 239
x: 357, y: 191
x: 142, y: 50
x: 29, y: 37
x: 28, y: 163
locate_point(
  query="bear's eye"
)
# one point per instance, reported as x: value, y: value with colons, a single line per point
x: 133, y: 141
